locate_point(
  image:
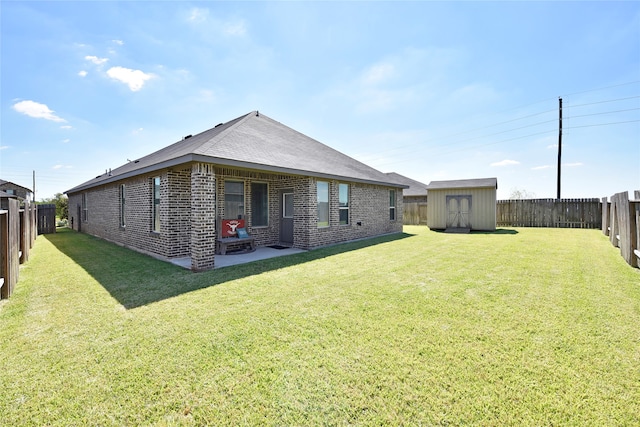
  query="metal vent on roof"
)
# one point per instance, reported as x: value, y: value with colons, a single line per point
x: 187, y: 137
x: 219, y: 124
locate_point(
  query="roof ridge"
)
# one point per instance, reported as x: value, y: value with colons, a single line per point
x: 223, y: 133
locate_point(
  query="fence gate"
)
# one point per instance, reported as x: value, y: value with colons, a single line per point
x: 458, y: 212
x: 46, y: 219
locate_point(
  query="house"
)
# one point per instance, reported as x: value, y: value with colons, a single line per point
x: 462, y: 205
x: 414, y: 199
x: 22, y: 193
x: 284, y: 187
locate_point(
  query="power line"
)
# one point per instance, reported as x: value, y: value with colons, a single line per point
x: 602, y: 88
x: 603, y: 124
x: 605, y: 112
x: 605, y: 101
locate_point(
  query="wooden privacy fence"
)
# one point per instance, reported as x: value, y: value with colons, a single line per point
x: 414, y: 213
x: 17, y: 235
x: 621, y: 222
x: 46, y: 219
x: 553, y: 213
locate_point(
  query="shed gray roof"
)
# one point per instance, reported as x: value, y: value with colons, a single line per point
x: 464, y: 183
x: 416, y: 188
x: 252, y: 141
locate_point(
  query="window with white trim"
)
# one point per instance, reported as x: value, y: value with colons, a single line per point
x: 392, y: 205
x: 233, y: 200
x: 343, y: 203
x: 156, y: 204
x: 259, y: 204
x: 323, y: 203
x: 122, y: 204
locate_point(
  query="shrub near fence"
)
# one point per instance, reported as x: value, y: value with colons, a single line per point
x: 552, y: 213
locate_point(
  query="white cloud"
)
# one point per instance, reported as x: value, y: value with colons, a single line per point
x: 82, y: 73
x: 118, y: 42
x: 96, y: 60
x: 137, y: 131
x: 378, y: 73
x: 506, y: 162
x: 572, y: 165
x: 198, y: 14
x: 66, y: 141
x: 552, y: 146
x: 238, y: 28
x: 55, y: 167
x: 3, y: 147
x: 66, y: 127
x: 537, y: 168
x: 37, y: 110
x: 135, y: 79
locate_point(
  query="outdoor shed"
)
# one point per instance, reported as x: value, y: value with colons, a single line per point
x: 253, y: 174
x: 462, y: 205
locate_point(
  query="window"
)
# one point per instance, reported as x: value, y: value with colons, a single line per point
x: 392, y: 205
x: 122, y: 204
x: 287, y: 205
x: 84, y: 206
x: 259, y: 204
x: 233, y: 200
x: 10, y: 191
x: 343, y: 203
x: 323, y: 203
x: 156, y: 204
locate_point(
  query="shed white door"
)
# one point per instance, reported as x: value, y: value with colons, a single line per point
x: 459, y: 211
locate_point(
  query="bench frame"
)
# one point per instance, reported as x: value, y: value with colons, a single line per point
x: 223, y: 242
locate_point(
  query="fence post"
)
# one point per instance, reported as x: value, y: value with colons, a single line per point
x: 636, y: 218
x: 626, y: 228
x: 9, y: 246
x: 613, y: 221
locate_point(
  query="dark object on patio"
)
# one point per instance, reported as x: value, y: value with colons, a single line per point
x: 278, y: 247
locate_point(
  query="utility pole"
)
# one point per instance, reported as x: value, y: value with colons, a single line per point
x: 33, y: 196
x: 559, y: 145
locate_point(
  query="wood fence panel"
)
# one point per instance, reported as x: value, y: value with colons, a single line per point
x: 626, y: 227
x: 414, y: 213
x: 605, y: 216
x: 10, y: 246
x: 613, y: 223
x: 46, y: 219
x: 563, y: 213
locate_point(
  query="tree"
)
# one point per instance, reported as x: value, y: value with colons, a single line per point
x: 517, y: 194
x: 62, y: 205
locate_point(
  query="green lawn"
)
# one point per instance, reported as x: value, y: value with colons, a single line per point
x: 521, y: 327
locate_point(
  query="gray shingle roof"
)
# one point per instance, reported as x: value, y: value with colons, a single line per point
x: 464, y: 183
x: 416, y: 188
x: 252, y: 141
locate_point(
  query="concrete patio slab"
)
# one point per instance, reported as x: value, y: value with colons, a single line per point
x: 262, y: 252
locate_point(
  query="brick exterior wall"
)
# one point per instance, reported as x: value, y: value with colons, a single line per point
x: 192, y: 206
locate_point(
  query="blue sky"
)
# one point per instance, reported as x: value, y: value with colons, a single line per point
x: 430, y: 90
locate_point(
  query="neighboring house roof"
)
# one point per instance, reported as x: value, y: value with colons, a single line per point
x: 416, y: 188
x: 4, y: 195
x: 464, y: 183
x: 252, y: 141
x: 13, y: 184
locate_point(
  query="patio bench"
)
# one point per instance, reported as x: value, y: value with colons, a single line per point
x: 224, y: 242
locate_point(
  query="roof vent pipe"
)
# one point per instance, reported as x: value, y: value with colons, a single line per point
x: 187, y: 137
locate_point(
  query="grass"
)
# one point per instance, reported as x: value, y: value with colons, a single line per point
x: 521, y: 327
